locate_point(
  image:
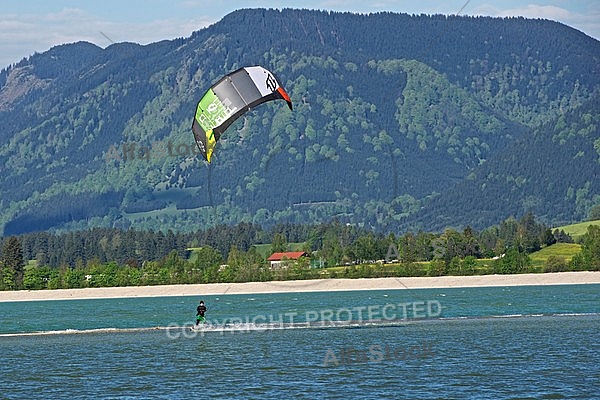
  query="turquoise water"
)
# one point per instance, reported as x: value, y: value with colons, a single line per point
x: 537, y: 342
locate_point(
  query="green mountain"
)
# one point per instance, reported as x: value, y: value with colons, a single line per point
x: 552, y: 172
x: 399, y: 122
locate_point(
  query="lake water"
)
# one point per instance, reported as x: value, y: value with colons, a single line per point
x: 534, y: 342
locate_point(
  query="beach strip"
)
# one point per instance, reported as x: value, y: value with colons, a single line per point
x: 313, y: 285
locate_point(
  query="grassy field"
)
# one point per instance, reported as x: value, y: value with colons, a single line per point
x: 564, y: 250
x: 483, y: 265
x: 577, y: 230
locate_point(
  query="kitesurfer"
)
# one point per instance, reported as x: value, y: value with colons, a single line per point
x: 200, y: 310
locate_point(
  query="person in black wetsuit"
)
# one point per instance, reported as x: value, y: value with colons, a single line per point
x: 200, y: 310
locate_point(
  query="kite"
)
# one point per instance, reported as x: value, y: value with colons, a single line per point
x: 228, y: 99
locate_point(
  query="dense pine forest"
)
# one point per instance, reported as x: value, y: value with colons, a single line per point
x: 400, y: 124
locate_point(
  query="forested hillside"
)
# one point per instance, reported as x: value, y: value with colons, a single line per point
x: 553, y: 159
x: 399, y: 123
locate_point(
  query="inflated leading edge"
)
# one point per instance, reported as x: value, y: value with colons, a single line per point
x: 228, y: 99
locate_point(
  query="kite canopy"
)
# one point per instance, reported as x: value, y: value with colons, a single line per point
x: 228, y: 99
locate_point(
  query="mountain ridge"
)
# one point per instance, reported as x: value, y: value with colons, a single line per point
x: 414, y: 119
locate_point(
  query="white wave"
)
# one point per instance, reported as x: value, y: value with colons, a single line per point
x: 81, y: 331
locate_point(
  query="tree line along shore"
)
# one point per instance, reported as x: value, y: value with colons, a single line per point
x: 106, y: 257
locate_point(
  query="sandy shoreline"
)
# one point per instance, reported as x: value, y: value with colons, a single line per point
x: 318, y: 285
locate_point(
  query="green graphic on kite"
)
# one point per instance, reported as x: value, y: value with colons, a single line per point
x: 228, y: 99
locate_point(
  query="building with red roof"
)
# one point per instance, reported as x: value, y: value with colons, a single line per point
x: 277, y: 259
